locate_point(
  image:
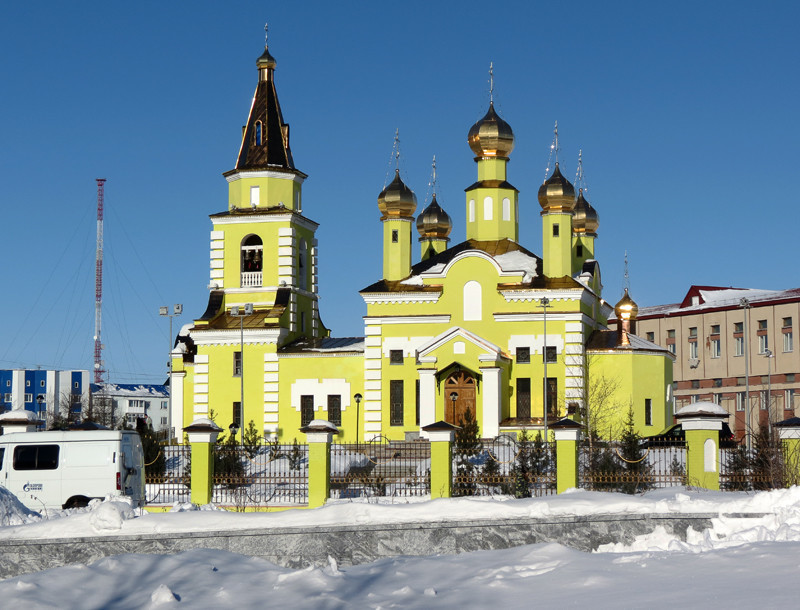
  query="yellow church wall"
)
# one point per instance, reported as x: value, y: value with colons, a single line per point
x: 272, y: 191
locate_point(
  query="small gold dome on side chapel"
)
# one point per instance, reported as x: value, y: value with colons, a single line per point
x: 626, y: 309
x: 584, y: 216
x: 397, y: 199
x: 557, y: 193
x: 491, y: 136
x: 434, y: 222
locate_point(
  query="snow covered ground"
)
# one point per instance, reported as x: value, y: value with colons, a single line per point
x: 737, y: 563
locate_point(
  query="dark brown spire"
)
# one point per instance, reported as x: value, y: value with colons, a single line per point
x: 265, y: 144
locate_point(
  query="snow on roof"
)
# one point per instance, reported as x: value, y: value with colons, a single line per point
x: 132, y: 389
x: 715, y: 298
x: 518, y: 261
x: 703, y: 407
x: 19, y: 414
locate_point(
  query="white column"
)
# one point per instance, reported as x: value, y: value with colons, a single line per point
x: 176, y: 393
x: 490, y: 427
x: 427, y: 398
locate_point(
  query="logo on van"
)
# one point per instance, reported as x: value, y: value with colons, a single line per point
x: 32, y: 487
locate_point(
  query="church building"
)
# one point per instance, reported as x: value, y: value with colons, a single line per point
x: 482, y: 325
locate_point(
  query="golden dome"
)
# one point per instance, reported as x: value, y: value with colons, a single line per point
x: 434, y: 222
x: 557, y: 193
x: 266, y: 60
x: 397, y: 199
x: 584, y: 216
x: 491, y: 136
x: 626, y: 309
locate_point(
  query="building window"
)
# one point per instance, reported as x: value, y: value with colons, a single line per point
x: 488, y: 204
x: 717, y: 399
x: 715, y: 348
x: 523, y: 355
x: 763, y: 343
x: 395, y: 236
x: 251, y: 261
x: 550, y: 353
x: 41, y: 383
x: 523, y: 398
x: 693, y: 349
x: 762, y: 325
x: 259, y: 133
x: 28, y: 397
x: 164, y: 404
x: 788, y: 342
x: 788, y: 399
x: 395, y: 356
x: 506, y: 209
x: 306, y: 410
x: 695, y: 385
x: 789, y: 377
x: 472, y: 210
x: 255, y: 196
x: 764, y: 400
x: 579, y: 251
x: 555, y: 230
x: 473, y: 306
x: 237, y: 364
x: 137, y: 404
x: 715, y: 329
x: 552, y: 397
x: 75, y: 385
x: 671, y: 341
x: 27, y: 383
x: 651, y: 337
x: 396, y: 402
x: 693, y: 332
x: 163, y: 421
x: 740, y: 401
x: 335, y: 409
x: 648, y: 411
x: 738, y: 339
x: 237, y: 414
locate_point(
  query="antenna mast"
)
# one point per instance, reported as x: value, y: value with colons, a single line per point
x: 98, y: 286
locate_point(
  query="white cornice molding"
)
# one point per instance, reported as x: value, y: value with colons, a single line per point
x: 434, y: 319
x: 527, y: 295
x: 538, y: 317
x: 265, y: 174
x: 295, y: 219
x: 386, y: 298
x: 233, y: 336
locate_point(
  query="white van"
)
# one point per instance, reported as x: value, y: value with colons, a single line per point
x: 56, y: 470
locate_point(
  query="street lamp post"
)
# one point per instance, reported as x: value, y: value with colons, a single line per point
x: 241, y: 312
x: 358, y: 416
x: 748, y: 413
x: 177, y: 310
x: 40, y: 401
x: 545, y: 303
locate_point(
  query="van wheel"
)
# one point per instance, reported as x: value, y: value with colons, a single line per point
x: 77, y: 502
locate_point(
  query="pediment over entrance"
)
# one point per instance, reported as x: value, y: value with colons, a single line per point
x: 432, y: 350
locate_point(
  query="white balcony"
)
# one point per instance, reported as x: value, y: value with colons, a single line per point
x: 251, y: 279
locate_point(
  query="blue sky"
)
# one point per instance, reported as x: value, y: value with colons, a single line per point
x: 686, y: 114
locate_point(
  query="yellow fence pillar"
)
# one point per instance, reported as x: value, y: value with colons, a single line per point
x: 789, y: 431
x: 701, y: 423
x: 319, y: 434
x: 441, y: 435
x: 567, y: 433
x: 202, y: 435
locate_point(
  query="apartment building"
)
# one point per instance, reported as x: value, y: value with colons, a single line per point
x: 728, y: 343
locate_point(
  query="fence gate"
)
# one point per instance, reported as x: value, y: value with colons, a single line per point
x: 381, y: 468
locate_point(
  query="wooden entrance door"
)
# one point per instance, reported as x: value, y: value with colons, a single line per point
x: 463, y: 384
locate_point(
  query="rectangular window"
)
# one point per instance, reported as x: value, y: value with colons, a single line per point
x: 787, y: 322
x: 523, y: 355
x: 417, y: 402
x: 788, y: 399
x: 306, y: 410
x: 488, y: 204
x: 335, y: 409
x: 237, y: 364
x: 715, y: 329
x: 41, y: 383
x: 255, y: 196
x: 671, y: 340
x: 395, y: 356
x: 715, y: 348
x: 717, y: 398
x: 764, y: 400
x: 396, y: 402
x: 35, y: 457
x: 738, y: 344
x: 28, y: 397
x: 648, y: 411
x: 788, y: 342
x: 579, y: 251
x: 395, y: 236
x: 671, y: 348
x: 763, y: 343
x: 555, y: 230
x: 651, y: 337
x: 163, y: 421
x: 550, y: 354
x: 552, y: 398
x: 740, y: 401
x: 523, y: 398
x: 237, y: 413
x: 762, y: 325
x: 693, y: 349
x: 693, y: 332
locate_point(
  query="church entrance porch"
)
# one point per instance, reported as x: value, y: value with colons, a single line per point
x: 462, y: 384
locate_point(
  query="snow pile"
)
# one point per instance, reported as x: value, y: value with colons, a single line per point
x: 108, y: 515
x: 14, y: 512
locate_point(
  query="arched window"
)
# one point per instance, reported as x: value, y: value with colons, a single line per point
x: 259, y: 133
x: 473, y: 305
x: 472, y: 210
x: 488, y: 204
x: 506, y: 209
x: 252, y: 261
x: 302, y: 264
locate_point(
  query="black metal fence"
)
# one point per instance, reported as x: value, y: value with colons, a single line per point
x: 268, y: 474
x: 174, y: 484
x: 504, y: 466
x: 631, y: 467
x: 381, y: 468
x: 768, y: 463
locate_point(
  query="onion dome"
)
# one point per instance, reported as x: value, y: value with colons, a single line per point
x: 491, y: 136
x: 627, y: 309
x: 266, y: 60
x: 557, y: 193
x: 434, y: 222
x: 397, y: 199
x: 584, y: 216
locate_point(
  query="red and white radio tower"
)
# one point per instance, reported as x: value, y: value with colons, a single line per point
x: 98, y: 287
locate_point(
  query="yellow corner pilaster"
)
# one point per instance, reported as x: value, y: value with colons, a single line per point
x: 566, y: 459
x: 441, y: 462
x: 319, y: 468
x: 202, y: 435
x: 702, y: 457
